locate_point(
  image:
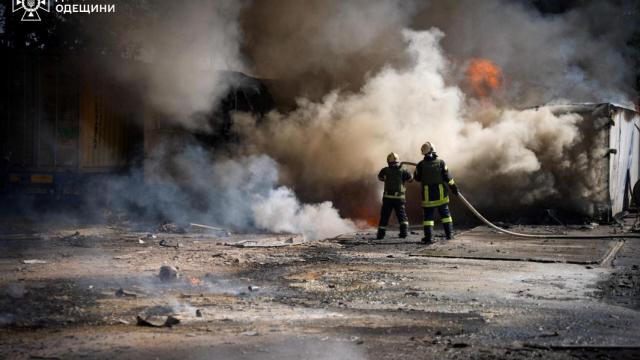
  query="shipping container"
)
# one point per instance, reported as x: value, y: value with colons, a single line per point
x: 610, y: 147
x: 61, y: 125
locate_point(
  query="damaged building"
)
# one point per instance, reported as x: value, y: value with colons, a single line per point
x: 609, y: 143
x: 67, y: 128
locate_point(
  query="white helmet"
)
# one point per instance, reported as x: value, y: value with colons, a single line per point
x: 393, y: 157
x: 427, y: 148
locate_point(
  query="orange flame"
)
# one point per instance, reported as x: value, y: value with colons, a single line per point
x: 484, y: 77
x: 365, y: 216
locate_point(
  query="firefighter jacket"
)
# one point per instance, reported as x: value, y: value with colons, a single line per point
x: 433, y: 173
x: 394, y: 177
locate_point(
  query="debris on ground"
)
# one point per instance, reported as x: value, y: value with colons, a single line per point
x: 208, y: 227
x: 171, y: 244
x: 122, y: 293
x: 156, y: 321
x: 374, y: 298
x: 34, y: 261
x: 271, y: 241
x: 168, y: 273
x: 250, y: 333
x: 215, y: 230
x: 171, y: 228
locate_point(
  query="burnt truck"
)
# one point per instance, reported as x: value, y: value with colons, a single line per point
x: 64, y: 125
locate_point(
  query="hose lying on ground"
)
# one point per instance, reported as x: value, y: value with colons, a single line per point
x: 534, y: 236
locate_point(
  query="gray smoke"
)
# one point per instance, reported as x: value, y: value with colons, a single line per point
x: 311, y: 48
x: 181, y: 49
x: 330, y: 142
x: 575, y: 56
x: 397, y: 110
x: 189, y: 184
x: 364, y: 78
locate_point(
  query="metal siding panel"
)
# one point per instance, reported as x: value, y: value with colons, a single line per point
x: 104, y: 129
x: 20, y: 144
x: 614, y: 143
x: 68, y: 118
x: 47, y: 122
x: 624, y: 138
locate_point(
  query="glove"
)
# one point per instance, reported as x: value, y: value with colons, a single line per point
x: 454, y: 189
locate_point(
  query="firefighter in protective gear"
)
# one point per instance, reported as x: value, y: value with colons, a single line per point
x: 393, y: 198
x: 434, y: 176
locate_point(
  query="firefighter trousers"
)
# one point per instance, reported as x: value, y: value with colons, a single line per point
x: 397, y: 205
x: 429, y: 222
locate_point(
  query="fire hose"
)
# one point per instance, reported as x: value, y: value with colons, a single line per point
x: 534, y: 236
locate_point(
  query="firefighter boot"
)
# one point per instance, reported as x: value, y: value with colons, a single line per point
x: 448, y: 231
x: 381, y: 233
x: 404, y: 230
x: 428, y: 235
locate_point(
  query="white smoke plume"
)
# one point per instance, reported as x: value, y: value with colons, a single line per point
x: 345, y: 138
x: 365, y: 84
x: 503, y: 157
x: 190, y: 185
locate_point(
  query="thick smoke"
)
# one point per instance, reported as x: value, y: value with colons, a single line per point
x: 184, y: 47
x: 190, y: 185
x: 576, y: 56
x: 363, y: 78
x: 313, y: 47
x: 181, y: 51
x: 345, y: 138
x: 502, y: 156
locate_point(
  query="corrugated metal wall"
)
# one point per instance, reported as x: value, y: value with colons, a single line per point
x: 624, y: 166
x: 54, y: 116
x: 103, y: 132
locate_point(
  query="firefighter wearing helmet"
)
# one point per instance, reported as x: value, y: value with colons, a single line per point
x: 434, y: 176
x: 393, y: 198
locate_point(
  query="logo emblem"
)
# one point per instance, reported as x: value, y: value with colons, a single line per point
x: 30, y: 8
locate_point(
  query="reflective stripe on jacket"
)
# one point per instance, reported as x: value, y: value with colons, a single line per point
x: 434, y: 176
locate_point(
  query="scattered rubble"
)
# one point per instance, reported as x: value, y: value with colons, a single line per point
x: 156, y: 321
x: 271, y: 241
x: 250, y: 333
x: 372, y: 297
x: 170, y: 228
x: 171, y: 244
x: 122, y: 293
x: 168, y: 273
x: 34, y: 261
